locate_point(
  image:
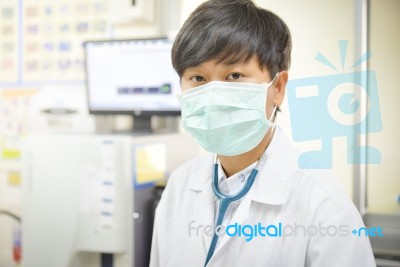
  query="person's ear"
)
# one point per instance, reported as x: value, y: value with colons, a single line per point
x: 279, y: 87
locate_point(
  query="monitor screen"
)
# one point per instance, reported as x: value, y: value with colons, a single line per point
x: 131, y: 76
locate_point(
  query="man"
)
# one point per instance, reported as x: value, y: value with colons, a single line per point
x: 248, y: 203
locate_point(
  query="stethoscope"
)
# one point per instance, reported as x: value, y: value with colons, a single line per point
x: 225, y: 200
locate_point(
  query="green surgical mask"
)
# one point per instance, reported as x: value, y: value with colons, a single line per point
x: 226, y: 118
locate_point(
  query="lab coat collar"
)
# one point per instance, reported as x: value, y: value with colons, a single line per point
x: 201, y: 178
x: 275, y: 177
x: 273, y: 182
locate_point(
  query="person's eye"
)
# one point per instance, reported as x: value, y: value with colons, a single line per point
x: 234, y: 76
x: 197, y: 78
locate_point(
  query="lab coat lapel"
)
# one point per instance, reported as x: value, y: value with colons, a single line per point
x: 275, y: 176
x: 203, y: 205
x: 240, y: 216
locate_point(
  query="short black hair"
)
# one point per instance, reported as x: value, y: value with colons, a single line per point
x: 232, y: 31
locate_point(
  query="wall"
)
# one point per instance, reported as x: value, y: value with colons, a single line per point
x: 384, y: 179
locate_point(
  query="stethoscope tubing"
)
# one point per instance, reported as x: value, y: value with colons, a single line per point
x: 225, y: 200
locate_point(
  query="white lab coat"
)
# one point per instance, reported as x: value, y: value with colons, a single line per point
x: 281, y: 193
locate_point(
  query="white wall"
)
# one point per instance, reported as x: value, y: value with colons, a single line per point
x: 384, y: 179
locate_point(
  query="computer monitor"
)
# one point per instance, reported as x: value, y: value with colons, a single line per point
x: 132, y: 77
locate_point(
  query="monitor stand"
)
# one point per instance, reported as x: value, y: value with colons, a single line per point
x: 142, y: 124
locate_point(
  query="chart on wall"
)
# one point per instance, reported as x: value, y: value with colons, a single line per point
x: 42, y: 41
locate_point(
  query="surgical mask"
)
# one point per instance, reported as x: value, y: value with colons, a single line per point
x: 227, y: 118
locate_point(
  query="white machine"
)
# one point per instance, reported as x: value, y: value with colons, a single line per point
x: 78, y: 196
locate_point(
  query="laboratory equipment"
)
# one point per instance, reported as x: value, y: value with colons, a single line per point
x: 88, y: 199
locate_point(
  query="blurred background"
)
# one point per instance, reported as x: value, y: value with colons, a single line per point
x: 90, y: 126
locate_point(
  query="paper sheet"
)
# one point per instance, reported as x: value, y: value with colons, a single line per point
x: 150, y: 163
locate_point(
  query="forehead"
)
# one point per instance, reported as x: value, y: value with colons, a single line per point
x: 252, y: 63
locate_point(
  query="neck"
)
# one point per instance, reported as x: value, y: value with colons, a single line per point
x: 234, y: 164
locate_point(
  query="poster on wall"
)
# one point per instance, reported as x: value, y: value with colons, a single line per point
x: 41, y: 41
x: 9, y: 38
x: 14, y: 122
